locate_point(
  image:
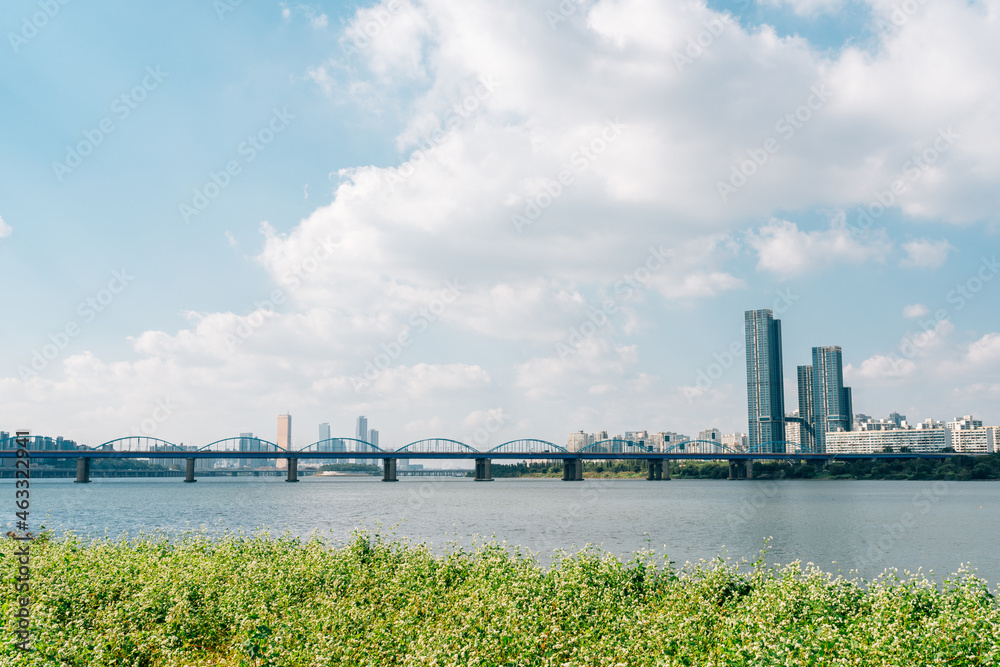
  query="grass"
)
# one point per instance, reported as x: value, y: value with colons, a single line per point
x: 246, y: 600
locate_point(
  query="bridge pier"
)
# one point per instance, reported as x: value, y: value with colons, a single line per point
x: 749, y: 468
x: 733, y: 472
x: 389, y: 470
x: 293, y: 470
x: 189, y: 471
x: 666, y: 469
x: 655, y: 470
x: 483, y: 473
x: 572, y: 470
x: 83, y: 470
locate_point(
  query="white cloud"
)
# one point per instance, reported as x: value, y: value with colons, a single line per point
x: 925, y: 253
x: 880, y: 367
x: 785, y: 250
x: 5, y: 229
x: 985, y: 351
x: 372, y: 264
x: 915, y: 310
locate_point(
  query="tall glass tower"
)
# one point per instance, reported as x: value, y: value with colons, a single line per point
x: 807, y: 409
x: 765, y: 398
x: 831, y: 398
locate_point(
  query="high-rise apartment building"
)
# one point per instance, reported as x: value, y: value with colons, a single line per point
x: 284, y: 440
x: 807, y: 409
x: 765, y: 399
x: 831, y: 399
x: 361, y: 433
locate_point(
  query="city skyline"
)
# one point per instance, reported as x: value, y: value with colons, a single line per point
x: 559, y: 222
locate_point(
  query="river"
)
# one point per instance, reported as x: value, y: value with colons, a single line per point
x: 840, y: 526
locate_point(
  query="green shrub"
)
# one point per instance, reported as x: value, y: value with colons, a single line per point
x: 258, y: 600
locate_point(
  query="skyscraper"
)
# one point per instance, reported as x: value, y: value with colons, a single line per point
x: 829, y: 395
x: 324, y: 431
x: 284, y: 437
x: 765, y: 399
x: 807, y: 409
x: 361, y: 434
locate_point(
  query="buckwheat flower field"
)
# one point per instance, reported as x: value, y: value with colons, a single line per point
x: 254, y: 600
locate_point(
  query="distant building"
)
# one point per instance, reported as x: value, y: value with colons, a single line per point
x: 579, y: 440
x: 324, y: 431
x: 765, y: 399
x: 964, y: 434
x: 793, y: 430
x: 832, y: 402
x: 875, y: 442
x: 807, y: 410
x: 735, y: 441
x: 361, y: 433
x: 712, y: 435
x: 284, y: 440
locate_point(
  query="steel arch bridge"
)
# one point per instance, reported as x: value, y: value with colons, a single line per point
x: 346, y: 445
x: 438, y: 446
x: 700, y: 447
x: 615, y: 446
x: 139, y: 443
x: 242, y: 445
x: 528, y: 446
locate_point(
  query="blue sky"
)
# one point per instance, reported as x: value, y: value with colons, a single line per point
x: 405, y: 159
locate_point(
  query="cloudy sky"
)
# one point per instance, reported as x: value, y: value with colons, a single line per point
x: 511, y: 218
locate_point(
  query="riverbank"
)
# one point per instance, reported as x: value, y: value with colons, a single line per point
x: 257, y: 600
x: 957, y: 469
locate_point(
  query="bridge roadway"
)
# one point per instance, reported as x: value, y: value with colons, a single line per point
x: 572, y: 461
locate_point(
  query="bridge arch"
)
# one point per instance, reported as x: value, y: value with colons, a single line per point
x: 351, y: 445
x: 616, y: 446
x: 528, y: 446
x: 438, y: 446
x: 700, y: 447
x: 139, y: 443
x: 781, y: 447
x: 242, y: 444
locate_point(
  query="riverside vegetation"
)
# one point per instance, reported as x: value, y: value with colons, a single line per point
x: 240, y: 600
x: 959, y: 468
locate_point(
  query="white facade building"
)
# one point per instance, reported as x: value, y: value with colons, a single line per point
x: 921, y: 440
x: 738, y: 441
